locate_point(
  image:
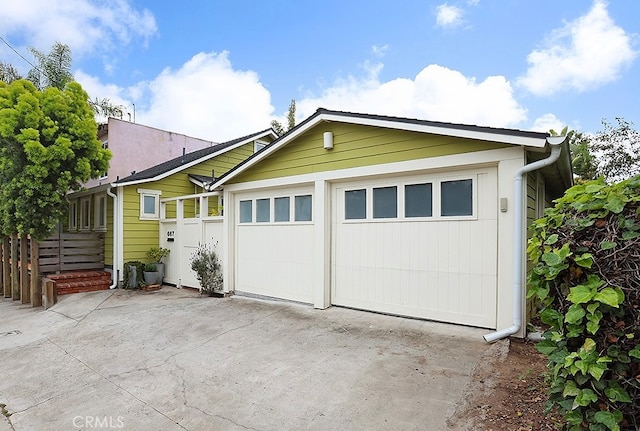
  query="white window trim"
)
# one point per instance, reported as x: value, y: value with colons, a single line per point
x: 96, y: 211
x: 435, y: 180
x: 73, y: 214
x: 156, y: 194
x: 258, y: 145
x: 81, y: 225
x: 105, y: 146
x: 271, y: 197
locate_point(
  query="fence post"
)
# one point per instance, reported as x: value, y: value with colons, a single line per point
x: 25, y: 295
x: 2, y: 255
x: 15, y: 279
x: 6, y: 270
x: 36, y: 286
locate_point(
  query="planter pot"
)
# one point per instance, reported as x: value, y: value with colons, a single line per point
x: 160, y: 267
x: 151, y: 277
x: 133, y: 278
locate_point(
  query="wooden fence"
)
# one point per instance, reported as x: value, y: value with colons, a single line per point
x: 71, y: 252
x: 25, y: 261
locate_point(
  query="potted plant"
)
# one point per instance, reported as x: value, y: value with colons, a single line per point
x: 206, y: 265
x: 133, y: 275
x: 151, y: 273
x: 156, y: 255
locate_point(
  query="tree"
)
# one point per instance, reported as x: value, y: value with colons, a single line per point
x: 618, y: 150
x: 613, y: 153
x: 48, y: 147
x: 54, y: 70
x: 8, y: 73
x: 582, y: 160
x: 291, y: 120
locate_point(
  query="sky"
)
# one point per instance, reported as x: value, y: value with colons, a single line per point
x: 221, y: 69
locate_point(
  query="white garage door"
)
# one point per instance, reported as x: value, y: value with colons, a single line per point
x: 422, y: 246
x: 274, y: 252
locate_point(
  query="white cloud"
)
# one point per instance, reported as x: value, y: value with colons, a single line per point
x: 436, y: 93
x: 379, y: 51
x: 547, y: 122
x: 84, y: 25
x: 205, y: 98
x: 448, y: 16
x: 582, y: 55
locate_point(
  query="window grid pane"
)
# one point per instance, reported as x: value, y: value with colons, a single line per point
x: 149, y: 205
x: 385, y: 202
x: 263, y: 210
x: 246, y: 211
x: 418, y: 200
x: 281, y: 209
x: 456, y: 198
x: 355, y: 204
x: 303, y: 208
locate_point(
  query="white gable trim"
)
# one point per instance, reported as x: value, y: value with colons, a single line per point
x: 443, y: 130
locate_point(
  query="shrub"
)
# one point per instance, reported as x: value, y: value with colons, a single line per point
x: 208, y: 269
x: 586, y: 277
x: 156, y: 254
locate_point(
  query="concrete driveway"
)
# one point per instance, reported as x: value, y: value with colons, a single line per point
x: 172, y: 360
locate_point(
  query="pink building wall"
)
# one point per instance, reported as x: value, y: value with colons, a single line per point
x: 136, y: 147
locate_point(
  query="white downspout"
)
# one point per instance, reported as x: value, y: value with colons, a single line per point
x: 518, y: 236
x: 114, y: 270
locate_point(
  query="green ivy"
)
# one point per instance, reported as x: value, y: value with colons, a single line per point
x: 588, y: 294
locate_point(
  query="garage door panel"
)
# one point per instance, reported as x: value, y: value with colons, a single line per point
x: 437, y: 268
x: 276, y: 261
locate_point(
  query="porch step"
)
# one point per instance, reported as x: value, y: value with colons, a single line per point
x: 77, y: 282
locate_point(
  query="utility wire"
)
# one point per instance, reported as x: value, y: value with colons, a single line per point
x: 21, y: 56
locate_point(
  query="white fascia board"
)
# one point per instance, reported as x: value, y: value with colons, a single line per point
x: 440, y: 130
x: 398, y: 125
x: 197, y: 161
x: 92, y: 190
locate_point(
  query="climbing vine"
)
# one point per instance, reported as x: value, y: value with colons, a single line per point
x: 586, y: 278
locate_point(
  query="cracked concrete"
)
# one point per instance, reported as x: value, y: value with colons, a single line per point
x: 173, y: 360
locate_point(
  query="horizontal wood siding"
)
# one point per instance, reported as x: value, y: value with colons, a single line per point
x: 355, y: 146
x: 531, y: 200
x: 140, y: 235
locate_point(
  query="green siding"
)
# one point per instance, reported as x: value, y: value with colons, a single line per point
x: 355, y: 146
x: 140, y: 235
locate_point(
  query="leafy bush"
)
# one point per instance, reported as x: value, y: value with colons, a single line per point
x: 586, y: 277
x: 208, y: 269
x: 156, y: 254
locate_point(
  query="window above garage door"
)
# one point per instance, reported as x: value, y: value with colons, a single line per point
x: 426, y: 198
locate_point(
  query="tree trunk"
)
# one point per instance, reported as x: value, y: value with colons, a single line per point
x: 36, y: 285
x: 15, y: 279
x: 25, y: 288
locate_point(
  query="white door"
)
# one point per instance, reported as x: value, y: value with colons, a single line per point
x: 422, y: 246
x: 274, y: 244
